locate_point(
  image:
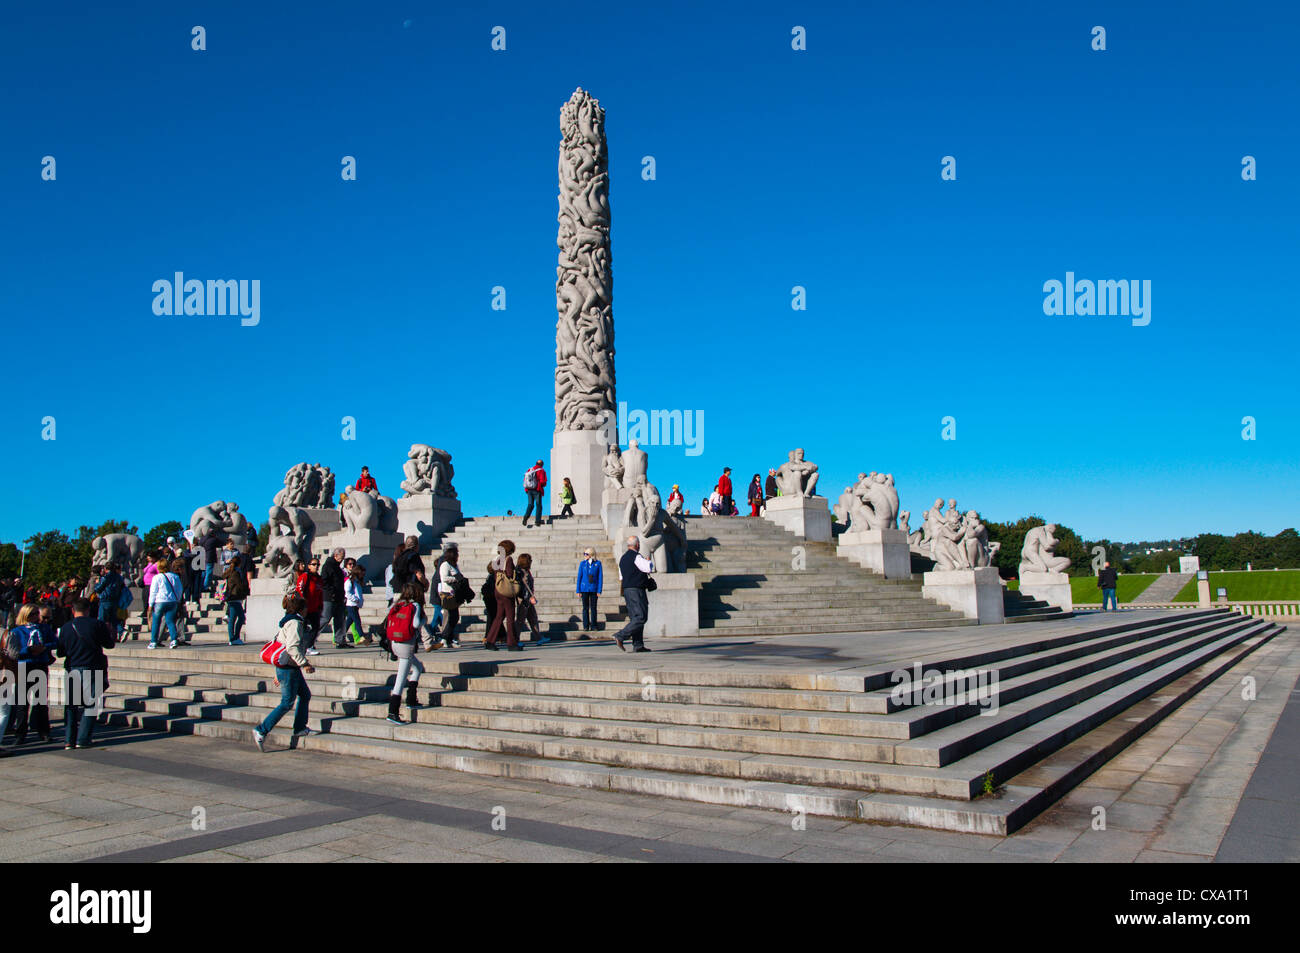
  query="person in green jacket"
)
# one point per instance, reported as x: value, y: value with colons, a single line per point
x: 567, y: 497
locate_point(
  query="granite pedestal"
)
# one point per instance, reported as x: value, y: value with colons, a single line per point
x: 1051, y: 587
x: 613, y: 500
x: 881, y: 550
x: 674, y: 606
x: 806, y: 516
x: 580, y: 456
x: 427, y: 517
x: 264, y: 607
x: 975, y: 593
x: 371, y: 548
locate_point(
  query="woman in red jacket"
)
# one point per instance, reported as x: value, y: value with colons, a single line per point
x: 309, y: 588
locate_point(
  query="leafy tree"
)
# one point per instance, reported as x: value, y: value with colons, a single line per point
x: 262, y: 539
x: 11, y: 561
x: 155, y: 538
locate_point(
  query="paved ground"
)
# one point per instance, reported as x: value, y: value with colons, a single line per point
x: 147, y: 797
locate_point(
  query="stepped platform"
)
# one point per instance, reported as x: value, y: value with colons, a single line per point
x: 968, y: 728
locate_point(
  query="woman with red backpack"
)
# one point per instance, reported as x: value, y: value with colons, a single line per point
x: 402, y: 627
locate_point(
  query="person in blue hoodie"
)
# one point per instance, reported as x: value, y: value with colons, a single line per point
x: 590, y: 586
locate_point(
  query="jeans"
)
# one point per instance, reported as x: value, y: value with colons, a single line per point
x: 81, y: 686
x: 335, y: 614
x: 293, y: 684
x: 1108, y: 595
x: 31, y: 701
x: 638, y: 610
x: 589, y: 616
x: 207, y: 577
x: 163, y: 612
x: 534, y: 498
x: 234, y: 619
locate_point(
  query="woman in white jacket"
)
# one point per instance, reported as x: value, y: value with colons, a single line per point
x: 164, y: 598
x: 354, y: 580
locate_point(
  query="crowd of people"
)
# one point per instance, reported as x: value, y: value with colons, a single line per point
x: 721, y: 503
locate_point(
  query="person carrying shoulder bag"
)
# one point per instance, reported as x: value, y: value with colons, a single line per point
x: 285, y: 652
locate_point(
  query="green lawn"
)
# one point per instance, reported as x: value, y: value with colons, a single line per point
x: 1084, y: 588
x: 1247, y: 586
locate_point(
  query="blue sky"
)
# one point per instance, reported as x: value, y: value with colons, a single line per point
x: 775, y: 168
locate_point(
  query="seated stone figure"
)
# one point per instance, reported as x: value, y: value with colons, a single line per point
x: 844, y: 505
x: 1037, y: 554
x: 210, y: 519
x: 975, y: 542
x: 658, y: 530
x: 613, y: 468
x: 369, y: 510
x: 292, y: 533
x: 797, y: 477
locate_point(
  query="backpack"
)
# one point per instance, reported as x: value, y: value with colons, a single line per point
x: 530, y: 478
x: 399, y: 624
x: 14, y: 643
x: 125, y: 599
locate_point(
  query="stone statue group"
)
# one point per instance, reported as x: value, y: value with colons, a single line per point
x: 307, y: 485
x: 952, y: 539
x: 662, y: 531
x: 871, y: 503
x: 223, y: 521
x: 428, y: 470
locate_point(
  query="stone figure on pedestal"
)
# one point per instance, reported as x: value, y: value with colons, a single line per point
x: 326, y: 498
x: 428, y: 470
x: 797, y: 477
x: 636, y: 464
x: 1037, y: 555
x: 977, y: 550
x: 369, y: 510
x: 292, y: 532
x: 904, y: 517
x: 210, y: 519
x: 844, y: 505
x: 658, y: 530
x: 121, y: 548
x: 613, y: 468
x: 237, y: 526
x: 306, y: 484
x: 875, y: 503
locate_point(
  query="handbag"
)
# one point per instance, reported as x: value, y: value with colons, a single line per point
x: 650, y: 584
x: 505, y: 586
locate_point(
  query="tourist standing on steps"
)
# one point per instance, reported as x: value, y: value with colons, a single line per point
x: 452, y: 589
x: 770, y: 491
x: 755, y: 495
x: 527, y: 611
x: 211, y: 547
x: 568, y: 498
x: 308, y: 586
x: 109, y: 589
x: 634, y: 573
x: 81, y: 645
x: 291, y: 672
x: 236, y: 592
x: 365, y: 482
x: 402, y: 626
x: 715, y: 502
x: 591, y: 584
x: 28, y: 658
x: 502, y: 577
x: 724, y: 488
x: 164, y: 598
x: 333, y: 601
x: 1108, y: 582
x: 353, y: 599
x: 535, y: 487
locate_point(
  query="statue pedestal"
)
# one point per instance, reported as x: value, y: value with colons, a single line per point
x: 372, y: 548
x: 580, y: 456
x: 1051, y: 587
x: 613, y: 500
x: 427, y: 517
x: 674, y: 606
x: 881, y: 550
x: 975, y: 593
x: 327, y: 520
x: 806, y: 516
x: 263, y: 608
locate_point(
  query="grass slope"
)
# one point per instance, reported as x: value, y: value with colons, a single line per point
x: 1247, y: 586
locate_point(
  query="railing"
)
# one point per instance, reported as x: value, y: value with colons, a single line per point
x: 1262, y: 607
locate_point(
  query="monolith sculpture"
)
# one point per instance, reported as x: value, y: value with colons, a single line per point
x: 585, y: 405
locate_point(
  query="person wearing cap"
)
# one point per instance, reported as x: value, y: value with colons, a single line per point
x: 676, y: 494
x: 591, y: 583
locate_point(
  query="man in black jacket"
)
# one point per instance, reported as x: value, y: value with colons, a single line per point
x: 634, y: 571
x: 1107, y: 581
x: 334, y: 608
x: 82, y: 641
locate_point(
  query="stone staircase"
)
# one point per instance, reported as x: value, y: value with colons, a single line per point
x: 759, y: 579
x: 1022, y: 608
x: 710, y: 726
x: 1165, y: 588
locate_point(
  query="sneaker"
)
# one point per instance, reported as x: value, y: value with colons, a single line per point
x: 454, y: 643
x: 437, y: 644
x: 258, y: 739
x: 544, y: 640
x: 395, y: 719
x: 514, y: 648
x: 312, y: 652
x: 237, y: 642
x: 152, y: 645
x: 173, y: 645
x: 640, y: 648
x: 304, y: 733
x: 343, y: 645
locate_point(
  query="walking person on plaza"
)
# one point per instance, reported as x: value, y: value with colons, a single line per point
x: 755, y: 495
x: 236, y: 592
x: 591, y: 583
x: 634, y: 573
x: 402, y: 627
x: 568, y: 498
x: 526, y: 613
x: 81, y: 644
x: 504, y: 589
x: 164, y: 600
x: 1108, y: 582
x: 334, y: 602
x: 291, y: 671
x: 535, y: 487
x: 453, y: 589
x: 308, y: 586
x: 724, y: 489
x: 354, y: 598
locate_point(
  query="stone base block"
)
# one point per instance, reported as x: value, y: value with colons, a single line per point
x: 372, y: 548
x: 1051, y: 587
x: 806, y: 516
x: 881, y: 550
x: 612, y: 503
x: 674, y: 606
x: 975, y: 593
x: 427, y: 517
x: 326, y: 520
x: 263, y: 607
x: 578, y: 455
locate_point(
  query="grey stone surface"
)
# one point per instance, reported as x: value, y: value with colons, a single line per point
x: 797, y: 476
x: 307, y: 484
x: 292, y: 533
x: 1038, y: 553
x: 428, y: 470
x: 975, y: 593
x: 1052, y: 587
x: 124, y: 549
x: 369, y: 511
x: 806, y: 516
x: 674, y: 607
x: 873, y: 503
x: 881, y: 550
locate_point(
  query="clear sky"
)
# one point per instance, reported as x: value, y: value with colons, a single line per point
x: 774, y: 168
